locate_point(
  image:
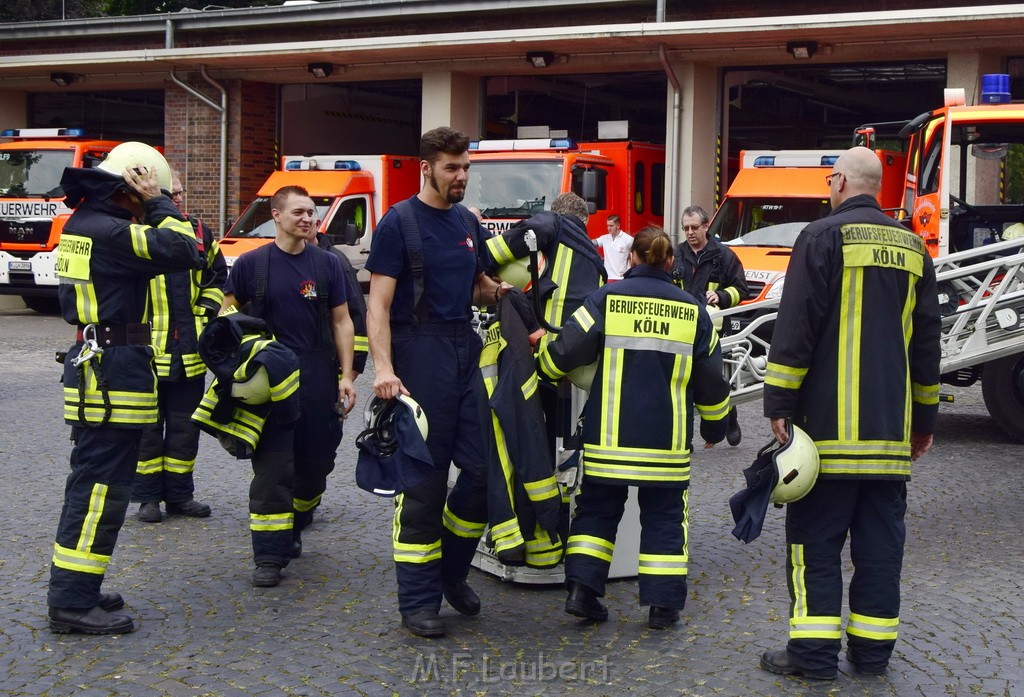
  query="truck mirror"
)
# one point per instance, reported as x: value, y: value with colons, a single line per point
x: 591, y: 207
x: 351, y: 235
x: 589, y: 187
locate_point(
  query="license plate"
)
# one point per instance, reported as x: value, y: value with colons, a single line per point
x: 735, y: 324
x: 19, y: 265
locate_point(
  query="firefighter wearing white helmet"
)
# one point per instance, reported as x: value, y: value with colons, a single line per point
x: 854, y: 361
x: 141, y: 157
x: 124, y: 231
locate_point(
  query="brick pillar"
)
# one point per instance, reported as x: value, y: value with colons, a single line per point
x: 192, y: 143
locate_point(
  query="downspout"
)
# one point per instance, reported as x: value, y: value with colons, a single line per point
x: 223, y: 109
x: 675, y: 155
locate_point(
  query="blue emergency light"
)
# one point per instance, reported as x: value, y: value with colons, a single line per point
x: 764, y: 161
x: 347, y: 165
x: 995, y: 89
x: 828, y: 160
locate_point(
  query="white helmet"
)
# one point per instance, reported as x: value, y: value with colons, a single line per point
x: 797, y: 465
x: 255, y: 390
x: 380, y: 415
x: 135, y: 154
x: 517, y: 272
x: 583, y: 376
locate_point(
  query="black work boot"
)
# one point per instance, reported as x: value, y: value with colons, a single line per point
x: 662, y: 617
x: 111, y: 601
x: 149, y: 512
x: 190, y: 508
x: 424, y: 623
x: 92, y: 621
x: 583, y: 602
x: 780, y: 661
x: 733, y: 434
x: 267, y: 575
x: 461, y: 597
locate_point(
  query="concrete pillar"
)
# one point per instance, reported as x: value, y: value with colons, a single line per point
x: 13, y: 109
x: 452, y: 99
x: 964, y: 70
x: 696, y: 156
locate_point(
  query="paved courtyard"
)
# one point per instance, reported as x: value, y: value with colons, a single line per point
x: 332, y: 627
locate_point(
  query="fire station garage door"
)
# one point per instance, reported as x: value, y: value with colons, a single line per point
x: 114, y: 115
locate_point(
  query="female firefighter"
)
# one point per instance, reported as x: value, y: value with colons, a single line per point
x: 657, y: 357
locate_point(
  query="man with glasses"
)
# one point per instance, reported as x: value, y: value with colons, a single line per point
x: 713, y: 274
x: 180, y: 304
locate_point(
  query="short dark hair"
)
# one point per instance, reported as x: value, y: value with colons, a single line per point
x: 614, y: 219
x: 277, y: 201
x: 697, y: 211
x: 442, y: 140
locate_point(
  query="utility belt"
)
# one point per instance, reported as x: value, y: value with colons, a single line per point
x: 105, y: 335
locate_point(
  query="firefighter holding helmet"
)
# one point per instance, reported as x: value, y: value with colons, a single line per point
x: 854, y: 361
x: 125, y: 230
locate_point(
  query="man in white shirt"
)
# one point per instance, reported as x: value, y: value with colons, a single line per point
x: 616, y: 245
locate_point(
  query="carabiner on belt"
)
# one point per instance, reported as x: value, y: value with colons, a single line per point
x: 90, y: 347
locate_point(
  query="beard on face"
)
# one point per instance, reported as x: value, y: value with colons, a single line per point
x: 451, y: 196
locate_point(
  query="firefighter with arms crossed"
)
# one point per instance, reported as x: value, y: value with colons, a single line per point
x: 124, y: 231
x: 657, y: 357
x: 854, y: 362
x: 425, y: 276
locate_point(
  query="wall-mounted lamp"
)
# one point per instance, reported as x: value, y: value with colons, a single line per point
x: 63, y: 79
x: 802, y: 49
x: 540, y: 59
x: 320, y: 70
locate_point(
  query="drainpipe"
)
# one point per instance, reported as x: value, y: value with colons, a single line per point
x: 223, y: 109
x: 675, y: 155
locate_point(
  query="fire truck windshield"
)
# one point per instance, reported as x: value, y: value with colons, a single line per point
x: 32, y: 173
x: 742, y: 219
x: 513, y: 188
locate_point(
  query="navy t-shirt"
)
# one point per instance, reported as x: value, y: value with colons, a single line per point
x: 291, y: 302
x: 450, y: 263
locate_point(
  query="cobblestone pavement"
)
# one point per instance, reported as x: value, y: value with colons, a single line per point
x: 331, y: 628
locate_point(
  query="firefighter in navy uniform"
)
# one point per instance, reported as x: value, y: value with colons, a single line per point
x: 658, y: 358
x: 425, y: 276
x: 854, y: 362
x: 105, y: 262
x: 712, y: 273
x: 180, y: 306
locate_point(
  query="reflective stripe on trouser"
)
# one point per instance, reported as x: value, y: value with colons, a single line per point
x: 317, y: 433
x: 439, y: 365
x: 270, y: 495
x: 96, y: 497
x: 663, y: 540
x: 434, y: 540
x: 872, y: 512
x: 167, y: 453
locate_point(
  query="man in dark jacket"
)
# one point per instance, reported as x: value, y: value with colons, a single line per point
x: 180, y: 304
x: 712, y: 273
x: 854, y: 361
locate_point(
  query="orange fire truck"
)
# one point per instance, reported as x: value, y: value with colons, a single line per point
x: 32, y: 210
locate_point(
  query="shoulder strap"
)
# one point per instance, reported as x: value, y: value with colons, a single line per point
x: 257, y: 304
x: 323, y: 288
x: 414, y: 248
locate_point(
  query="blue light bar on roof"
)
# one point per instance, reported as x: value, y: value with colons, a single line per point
x: 765, y: 161
x: 346, y: 165
x: 829, y: 160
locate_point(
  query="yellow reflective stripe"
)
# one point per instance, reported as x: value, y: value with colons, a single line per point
x: 140, y: 245
x: 461, y: 527
x: 505, y: 528
x: 179, y: 466
x: 713, y: 412
x: 867, y: 448
x: 542, y: 489
x: 499, y: 250
x: 649, y: 343
x: 636, y: 454
x: 270, y: 522
x: 925, y: 394
x: 214, y: 295
x: 508, y: 541
x: 286, y: 388
x: 815, y: 627
x: 548, y: 366
x: 530, y: 386
x: 160, y: 311
x: 416, y: 554
x: 798, y: 586
x: 860, y: 467
x: 609, y: 432
x: 303, y: 505
x: 713, y: 340
x: 362, y: 344
x: 590, y: 546
x: 848, y: 363
x: 97, y: 501
x: 681, y: 367
x: 605, y: 470
x: 153, y: 466
x: 779, y: 375
x: 583, y: 318
x: 664, y: 564
x: 878, y: 628
x: 75, y: 560
x: 555, y: 307
x: 734, y: 295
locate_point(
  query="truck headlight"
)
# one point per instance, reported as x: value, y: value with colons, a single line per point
x: 775, y: 292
